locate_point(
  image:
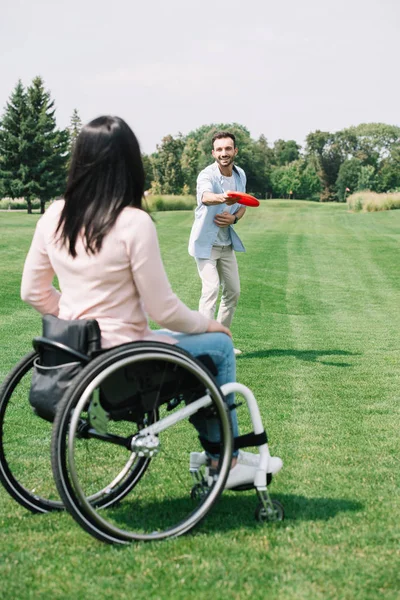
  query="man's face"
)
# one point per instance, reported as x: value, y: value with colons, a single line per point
x: 224, y: 151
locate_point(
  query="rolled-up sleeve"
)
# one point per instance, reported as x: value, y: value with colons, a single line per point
x: 37, y: 277
x: 204, y: 184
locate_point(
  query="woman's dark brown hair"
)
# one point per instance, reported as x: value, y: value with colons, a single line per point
x: 105, y: 176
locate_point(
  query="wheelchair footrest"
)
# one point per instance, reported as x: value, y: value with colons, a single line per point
x: 250, y: 486
x: 247, y: 440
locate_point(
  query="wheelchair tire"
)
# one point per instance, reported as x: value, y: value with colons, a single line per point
x: 276, y: 513
x: 25, y: 469
x: 159, y: 503
x: 25, y: 450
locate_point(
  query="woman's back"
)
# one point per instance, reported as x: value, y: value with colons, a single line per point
x: 117, y: 285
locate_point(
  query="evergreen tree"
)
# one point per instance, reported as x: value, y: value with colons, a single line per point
x: 33, y: 151
x: 74, y: 128
x: 46, y: 147
x: 13, y: 174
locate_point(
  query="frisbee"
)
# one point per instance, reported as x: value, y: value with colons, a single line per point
x: 245, y: 199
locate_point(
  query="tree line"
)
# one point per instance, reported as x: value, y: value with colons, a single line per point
x: 34, y: 156
x: 329, y: 167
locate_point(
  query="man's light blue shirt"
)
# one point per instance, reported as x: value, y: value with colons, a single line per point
x: 204, y: 231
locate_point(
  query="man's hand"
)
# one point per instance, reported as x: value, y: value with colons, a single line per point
x: 211, y: 199
x: 224, y: 219
x: 228, y: 201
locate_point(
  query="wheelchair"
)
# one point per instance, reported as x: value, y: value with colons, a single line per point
x: 126, y: 458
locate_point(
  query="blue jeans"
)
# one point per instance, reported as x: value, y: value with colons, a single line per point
x: 220, y: 347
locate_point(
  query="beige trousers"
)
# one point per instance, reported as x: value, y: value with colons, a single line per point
x: 221, y: 269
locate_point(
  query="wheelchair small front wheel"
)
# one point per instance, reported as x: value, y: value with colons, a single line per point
x: 269, y: 514
x: 198, y: 491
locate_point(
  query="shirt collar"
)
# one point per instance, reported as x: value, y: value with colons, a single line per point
x: 234, y: 170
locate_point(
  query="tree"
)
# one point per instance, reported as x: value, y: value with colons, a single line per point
x: 285, y: 181
x: 168, y: 176
x: 388, y: 175
x: 369, y: 141
x: 46, y: 147
x: 326, y: 154
x: 297, y: 179
x: 372, y: 149
x: 148, y: 171
x: 203, y: 136
x: 74, y: 129
x: 285, y: 152
x: 253, y: 157
x: 190, y: 164
x: 260, y: 173
x: 310, y: 185
x: 366, y: 178
x: 13, y: 174
x: 349, y: 173
x: 332, y: 161
x: 34, y: 153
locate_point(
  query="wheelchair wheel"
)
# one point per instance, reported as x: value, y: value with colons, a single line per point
x: 25, y: 469
x: 169, y: 390
x: 25, y: 451
x: 274, y: 513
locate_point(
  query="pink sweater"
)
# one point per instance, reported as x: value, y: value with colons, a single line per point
x: 119, y: 286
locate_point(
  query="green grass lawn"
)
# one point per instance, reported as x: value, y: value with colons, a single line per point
x: 319, y: 326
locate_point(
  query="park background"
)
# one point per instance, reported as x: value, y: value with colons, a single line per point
x: 35, y: 154
x: 311, y: 92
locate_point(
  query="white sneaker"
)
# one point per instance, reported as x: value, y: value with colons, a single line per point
x: 236, y: 351
x: 244, y: 472
x: 197, y: 460
x: 248, y: 458
x: 275, y: 463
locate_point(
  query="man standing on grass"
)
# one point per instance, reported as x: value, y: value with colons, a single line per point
x: 213, y: 240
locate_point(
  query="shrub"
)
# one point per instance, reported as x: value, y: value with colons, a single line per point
x: 154, y: 203
x: 161, y: 203
x: 367, y: 201
x: 17, y: 204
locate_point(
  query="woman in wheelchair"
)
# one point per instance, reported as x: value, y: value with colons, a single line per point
x: 102, y: 246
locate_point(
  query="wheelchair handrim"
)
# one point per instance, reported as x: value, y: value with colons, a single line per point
x: 116, y: 534
x: 24, y: 496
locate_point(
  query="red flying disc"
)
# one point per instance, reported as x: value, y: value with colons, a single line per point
x: 245, y: 199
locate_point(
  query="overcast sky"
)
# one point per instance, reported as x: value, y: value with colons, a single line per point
x: 281, y: 68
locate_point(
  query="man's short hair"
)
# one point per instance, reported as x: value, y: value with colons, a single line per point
x: 218, y: 135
